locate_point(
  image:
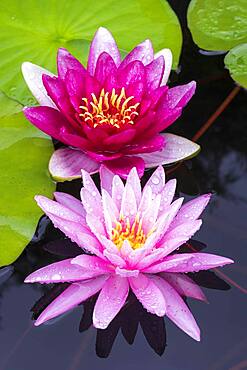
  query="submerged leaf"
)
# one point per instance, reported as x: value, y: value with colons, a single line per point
x: 218, y: 24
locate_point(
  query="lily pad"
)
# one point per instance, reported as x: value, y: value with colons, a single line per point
x: 33, y: 30
x: 236, y: 62
x: 24, y: 156
x: 218, y: 24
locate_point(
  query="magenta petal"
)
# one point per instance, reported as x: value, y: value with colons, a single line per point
x: 123, y: 165
x: 167, y: 55
x: 176, y: 148
x: 115, y: 142
x: 133, y: 73
x: 154, y: 72
x: 142, y: 52
x: 66, y: 61
x: 63, y: 271
x: 179, y: 96
x: 177, y: 310
x: 148, y: 294
x: 184, y: 285
x: 150, y: 145
x: 194, y: 262
x: 71, y: 297
x: 110, y: 301
x: 48, y: 120
x: 103, y: 41
x: 66, y: 164
x: 105, y: 71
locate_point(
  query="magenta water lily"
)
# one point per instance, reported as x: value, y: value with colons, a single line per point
x: 132, y: 236
x: 112, y: 112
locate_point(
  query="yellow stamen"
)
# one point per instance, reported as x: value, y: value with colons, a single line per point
x: 109, y: 109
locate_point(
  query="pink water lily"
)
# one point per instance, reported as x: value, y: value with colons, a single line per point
x: 113, y: 112
x: 132, y: 237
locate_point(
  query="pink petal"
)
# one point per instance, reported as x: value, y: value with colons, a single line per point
x: 167, y: 55
x: 33, y: 76
x: 92, y: 264
x: 154, y: 72
x: 191, y: 210
x: 110, y: 211
x: 148, y: 294
x: 157, y: 180
x: 89, y: 184
x: 70, y: 202
x: 142, y: 52
x: 106, y: 179
x: 167, y: 195
x: 170, y: 263
x: 176, y: 148
x: 177, y: 310
x: 96, y: 227
x: 66, y: 164
x: 126, y: 273
x: 150, y: 215
x: 103, y: 41
x: 184, y: 285
x: 146, y: 200
x: 129, y: 204
x: 110, y: 301
x: 66, y: 61
x: 65, y: 271
x: 123, y: 165
x: 117, y: 190
x: 92, y: 203
x: 133, y: 181
x: 71, y: 297
x: 199, y: 261
x: 54, y: 208
x: 114, y: 258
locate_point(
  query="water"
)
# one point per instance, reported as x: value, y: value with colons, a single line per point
x: 220, y: 168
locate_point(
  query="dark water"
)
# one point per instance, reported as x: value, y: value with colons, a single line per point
x: 221, y: 167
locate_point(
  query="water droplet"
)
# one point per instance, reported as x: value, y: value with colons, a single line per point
x: 155, y: 180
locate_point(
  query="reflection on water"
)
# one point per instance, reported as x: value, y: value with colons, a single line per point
x: 71, y: 342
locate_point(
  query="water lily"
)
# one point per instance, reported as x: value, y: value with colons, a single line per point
x: 112, y: 112
x: 132, y: 237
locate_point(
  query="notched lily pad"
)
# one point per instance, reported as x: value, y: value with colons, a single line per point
x: 24, y: 156
x: 236, y: 62
x: 218, y: 24
x: 33, y: 30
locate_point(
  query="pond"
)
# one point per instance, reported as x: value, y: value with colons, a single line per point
x: 70, y: 342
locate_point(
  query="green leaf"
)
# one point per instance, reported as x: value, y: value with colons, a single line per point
x: 33, y: 30
x: 236, y: 62
x: 24, y: 156
x: 218, y: 24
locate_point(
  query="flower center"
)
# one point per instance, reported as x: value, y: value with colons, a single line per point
x: 110, y: 109
x: 133, y: 233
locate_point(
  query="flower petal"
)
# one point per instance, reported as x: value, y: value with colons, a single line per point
x: 64, y: 271
x: 167, y: 55
x: 170, y: 263
x: 92, y: 264
x: 176, y: 148
x: 66, y: 61
x: 133, y: 181
x: 110, y: 301
x: 102, y: 41
x: 148, y: 294
x: 70, y: 202
x: 191, y: 210
x: 184, y: 285
x: 157, y: 181
x: 142, y: 52
x: 177, y: 310
x: 122, y: 166
x: 106, y: 179
x: 33, y: 76
x: 154, y: 72
x: 117, y: 191
x: 66, y: 164
x: 179, y: 96
x: 71, y: 297
x: 198, y: 261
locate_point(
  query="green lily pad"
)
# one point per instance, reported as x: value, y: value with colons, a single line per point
x: 218, y: 24
x: 24, y: 156
x: 33, y: 30
x: 236, y: 62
